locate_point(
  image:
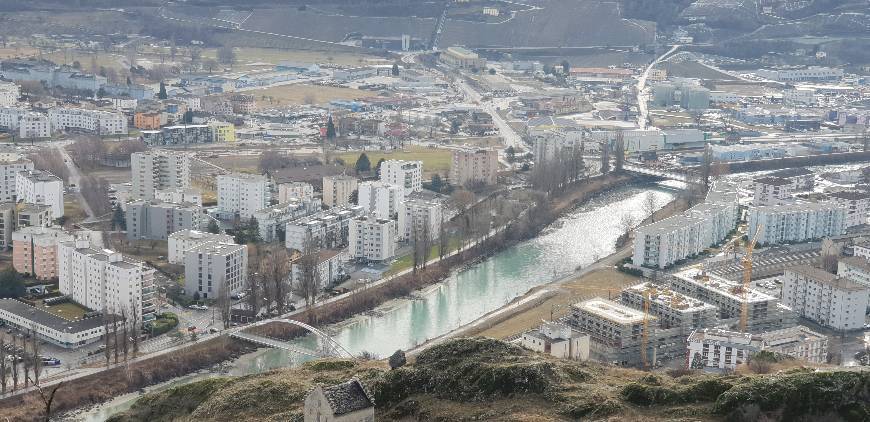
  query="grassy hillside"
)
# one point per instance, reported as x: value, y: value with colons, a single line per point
x: 484, y: 379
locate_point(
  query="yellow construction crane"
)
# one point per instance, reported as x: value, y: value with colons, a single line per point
x: 747, y: 278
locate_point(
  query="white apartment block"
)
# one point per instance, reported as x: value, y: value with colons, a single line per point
x: 338, y: 189
x: 548, y: 145
x: 299, y: 190
x: 798, y: 342
x: 825, y: 298
x: 179, y: 196
x: 69, y: 334
x: 242, y: 194
x: 104, y: 280
x: 330, y: 267
x: 9, y: 93
x: 184, y: 240
x: 274, y: 218
x: 474, y: 166
x: 665, y: 242
x: 34, y: 125
x: 772, y: 191
x: 214, y: 268
x: 419, y: 215
x: 11, y: 116
x: 40, y: 187
x: 382, y: 199
x: 798, y: 221
x: 862, y: 250
x: 407, y: 174
x: 325, y: 230
x: 802, y: 180
x: 372, y: 239
x: 857, y: 205
x: 99, y: 122
x: 855, y: 268
x: 720, y: 349
x: 159, y: 170
x: 557, y: 339
x: 10, y: 166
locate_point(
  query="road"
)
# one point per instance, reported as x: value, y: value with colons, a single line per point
x: 642, y: 95
x: 510, y: 137
x: 75, y: 178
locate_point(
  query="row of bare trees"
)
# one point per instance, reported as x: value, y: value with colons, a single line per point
x: 122, y: 332
x: 51, y: 160
x: 90, y: 152
x: 269, y: 280
x: 554, y: 174
x: 16, y: 356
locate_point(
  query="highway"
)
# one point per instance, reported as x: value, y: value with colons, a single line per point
x: 642, y: 95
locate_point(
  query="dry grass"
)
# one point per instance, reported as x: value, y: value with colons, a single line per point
x: 6, y: 53
x: 434, y: 160
x: 109, y: 61
x: 303, y: 94
x: 275, y: 55
x: 69, y: 310
x: 72, y: 209
x: 600, y: 283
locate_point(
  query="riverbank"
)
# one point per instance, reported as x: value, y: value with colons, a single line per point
x: 553, y: 300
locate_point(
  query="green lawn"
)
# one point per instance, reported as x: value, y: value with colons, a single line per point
x: 68, y: 310
x: 434, y: 160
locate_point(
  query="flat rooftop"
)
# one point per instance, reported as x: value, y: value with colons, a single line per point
x: 47, y: 319
x: 722, y: 286
x: 827, y: 278
x: 669, y: 298
x: 788, y: 336
x: 612, y: 311
x: 725, y: 337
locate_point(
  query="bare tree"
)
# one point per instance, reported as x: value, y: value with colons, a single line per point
x: 619, y: 151
x: 3, y: 374
x: 106, y: 336
x: 34, y: 350
x: 125, y: 335
x: 443, y: 243
x: 115, y: 337
x: 275, y: 269
x: 224, y: 305
x: 15, y: 360
x: 47, y: 398
x: 309, y: 283
x: 136, y: 328
x: 26, y: 361
x: 650, y: 205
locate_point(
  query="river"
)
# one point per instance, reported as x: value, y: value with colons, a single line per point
x: 579, y: 238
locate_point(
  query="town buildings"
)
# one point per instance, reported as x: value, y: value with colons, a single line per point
x: 212, y: 269
x: 371, y: 238
x: 720, y: 349
x: 855, y: 268
x: 802, y: 180
x: 382, y: 199
x: 40, y: 187
x: 825, y: 298
x: 10, y: 166
x: 672, y: 308
x: 99, y: 122
x: 557, y: 339
x: 34, y: 250
x: 325, y: 230
x: 772, y: 191
x: 462, y: 58
x: 856, y: 204
x: 474, y: 166
x: 9, y: 93
x: 156, y: 220
x: 179, y: 196
x: 33, y: 215
x: 422, y: 216
x: 615, y: 330
x: 796, y: 221
x: 299, y: 190
x: 240, y: 195
x: 34, y: 125
x: 338, y: 189
x: 273, y: 219
x: 798, y: 342
x: 105, y: 280
x: 7, y: 223
x: 407, y: 174
x: 184, y: 240
x: 329, y: 267
x: 179, y: 135
x: 158, y: 170
x: 69, y: 334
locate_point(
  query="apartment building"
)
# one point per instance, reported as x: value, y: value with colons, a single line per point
x: 713, y: 348
x: 40, y: 187
x: 382, y: 199
x: 213, y: 268
x: 105, y: 280
x: 298, y: 190
x: 615, y: 330
x: 672, y: 308
x: 825, y: 298
x: 222, y: 131
x: 764, y: 312
x: 338, y: 189
x: 462, y: 58
x: 179, y: 135
x: 10, y: 166
x: 240, y: 195
x: 28, y: 215
x: 802, y: 180
x: 7, y: 223
x: 10, y: 117
x: 99, y: 122
x: 407, y: 174
x: 34, y: 125
x: 184, y: 240
x: 329, y: 266
x: 34, y: 250
x: 273, y: 219
x: 9, y: 93
x: 420, y: 215
x: 325, y: 230
x: 474, y: 166
x: 772, y: 191
x: 149, y: 120
x: 798, y: 342
x: 156, y: 220
x: 665, y: 242
x: 798, y: 221
x: 158, y: 170
x: 179, y: 196
x: 856, y: 204
x: 371, y: 238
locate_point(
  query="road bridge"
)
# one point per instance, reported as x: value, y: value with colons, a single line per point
x: 328, y: 346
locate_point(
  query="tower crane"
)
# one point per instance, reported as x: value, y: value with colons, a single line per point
x: 747, y: 278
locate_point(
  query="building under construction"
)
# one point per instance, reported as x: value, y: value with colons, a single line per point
x: 671, y: 308
x: 764, y: 312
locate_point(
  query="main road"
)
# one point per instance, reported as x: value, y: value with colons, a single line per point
x: 642, y: 96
